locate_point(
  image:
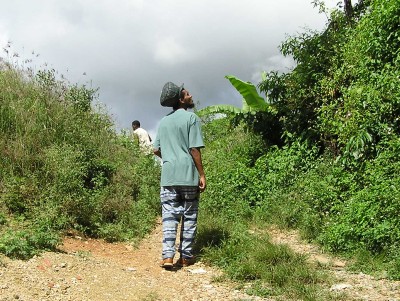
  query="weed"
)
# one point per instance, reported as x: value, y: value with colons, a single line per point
x: 83, y: 254
x: 64, y: 166
x: 152, y: 296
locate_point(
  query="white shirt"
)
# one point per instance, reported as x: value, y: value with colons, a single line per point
x: 144, y: 140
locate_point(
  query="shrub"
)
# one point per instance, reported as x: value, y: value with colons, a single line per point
x: 64, y: 166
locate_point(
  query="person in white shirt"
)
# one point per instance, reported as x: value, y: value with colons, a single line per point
x: 142, y: 137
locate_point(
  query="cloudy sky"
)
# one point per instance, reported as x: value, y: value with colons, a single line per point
x: 130, y: 48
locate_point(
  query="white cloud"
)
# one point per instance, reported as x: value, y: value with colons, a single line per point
x: 169, y: 51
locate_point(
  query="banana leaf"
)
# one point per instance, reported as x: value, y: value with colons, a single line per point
x: 249, y: 92
x: 252, y: 101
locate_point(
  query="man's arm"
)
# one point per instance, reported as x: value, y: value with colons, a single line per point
x: 196, y: 155
x: 157, y: 152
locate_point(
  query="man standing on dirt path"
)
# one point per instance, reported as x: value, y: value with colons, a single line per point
x: 178, y: 142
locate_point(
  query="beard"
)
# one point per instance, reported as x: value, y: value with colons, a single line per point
x: 190, y: 105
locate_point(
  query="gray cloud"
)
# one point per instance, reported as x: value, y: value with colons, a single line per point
x: 130, y: 48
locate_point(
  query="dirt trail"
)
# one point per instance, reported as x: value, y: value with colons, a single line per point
x: 93, y: 270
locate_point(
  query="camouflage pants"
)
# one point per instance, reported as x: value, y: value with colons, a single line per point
x: 179, y: 203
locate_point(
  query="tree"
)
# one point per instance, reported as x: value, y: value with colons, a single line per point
x: 348, y: 9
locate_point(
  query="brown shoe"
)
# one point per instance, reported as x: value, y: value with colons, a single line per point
x: 167, y: 263
x: 185, y: 262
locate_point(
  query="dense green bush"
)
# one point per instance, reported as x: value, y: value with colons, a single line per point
x: 24, y: 243
x: 343, y: 94
x: 369, y: 218
x: 229, y: 154
x: 344, y: 210
x: 64, y: 166
x: 366, y: 108
x: 241, y: 184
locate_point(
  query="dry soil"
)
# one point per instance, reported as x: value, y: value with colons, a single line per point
x: 93, y: 270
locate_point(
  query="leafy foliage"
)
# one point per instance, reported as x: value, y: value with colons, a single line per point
x: 64, y: 167
x: 245, y: 177
x: 342, y: 93
x: 256, y: 112
x: 252, y: 101
x: 227, y: 157
x: 333, y: 170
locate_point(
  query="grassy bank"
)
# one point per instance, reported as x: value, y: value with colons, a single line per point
x: 251, y: 184
x: 63, y: 167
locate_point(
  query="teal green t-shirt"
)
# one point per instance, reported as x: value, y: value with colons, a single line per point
x: 177, y: 133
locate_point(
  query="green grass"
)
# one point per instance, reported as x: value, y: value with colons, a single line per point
x: 254, y: 262
x: 63, y: 166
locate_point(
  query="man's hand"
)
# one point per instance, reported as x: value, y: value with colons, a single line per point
x: 202, y: 183
x: 157, y: 152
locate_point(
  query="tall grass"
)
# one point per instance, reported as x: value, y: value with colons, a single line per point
x: 63, y: 166
x: 257, y: 265
x: 238, y: 184
x: 253, y: 185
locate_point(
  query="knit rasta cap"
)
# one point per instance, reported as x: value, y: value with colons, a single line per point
x: 170, y: 94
